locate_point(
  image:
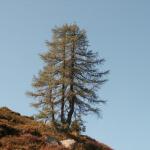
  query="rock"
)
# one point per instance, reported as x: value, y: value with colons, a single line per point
x: 69, y: 143
x: 51, y: 140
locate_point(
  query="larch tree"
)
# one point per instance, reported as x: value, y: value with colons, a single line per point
x: 66, y: 88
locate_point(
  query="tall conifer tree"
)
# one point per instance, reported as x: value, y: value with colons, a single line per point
x: 66, y: 89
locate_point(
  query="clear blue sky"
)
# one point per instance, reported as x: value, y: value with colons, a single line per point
x: 118, y: 29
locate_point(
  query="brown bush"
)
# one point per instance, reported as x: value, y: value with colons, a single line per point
x: 27, y: 142
x: 6, y: 129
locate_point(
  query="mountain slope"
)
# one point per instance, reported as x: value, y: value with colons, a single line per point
x: 24, y: 133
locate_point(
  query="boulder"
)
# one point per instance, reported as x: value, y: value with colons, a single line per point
x: 68, y: 143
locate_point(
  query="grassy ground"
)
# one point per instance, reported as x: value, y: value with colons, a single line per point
x: 24, y: 133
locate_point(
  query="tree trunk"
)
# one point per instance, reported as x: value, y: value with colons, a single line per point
x: 62, y: 104
x: 72, y: 98
x: 52, y: 106
x: 63, y: 84
x: 53, y: 114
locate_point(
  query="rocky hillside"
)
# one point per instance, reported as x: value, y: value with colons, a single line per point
x: 24, y: 133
